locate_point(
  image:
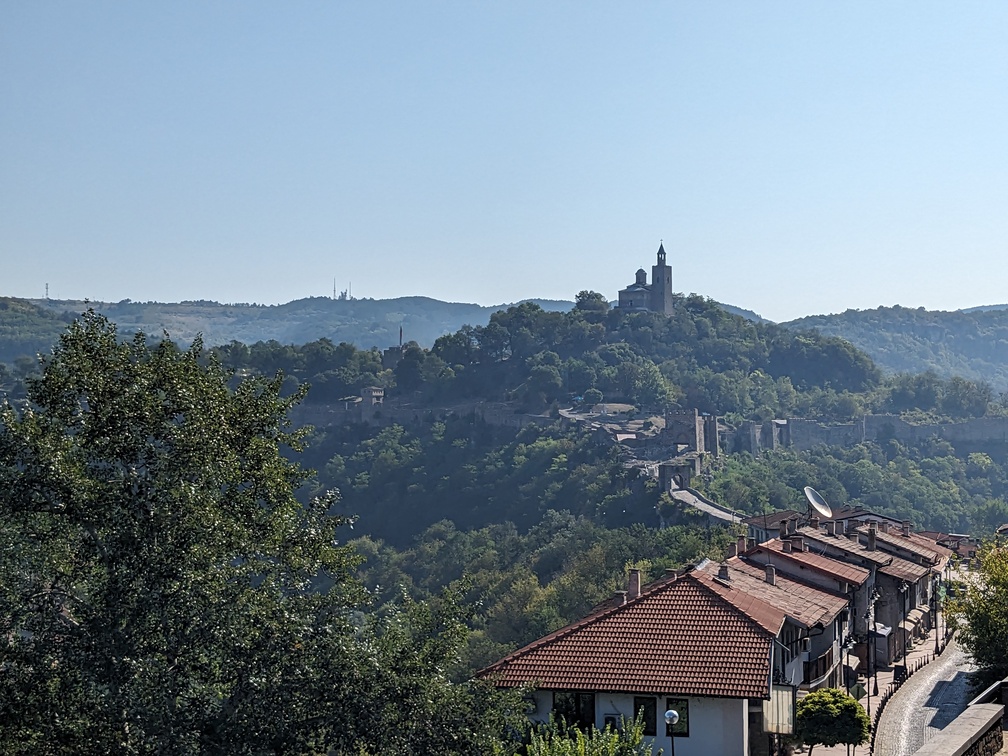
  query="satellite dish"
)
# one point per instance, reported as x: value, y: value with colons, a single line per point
x: 817, y: 502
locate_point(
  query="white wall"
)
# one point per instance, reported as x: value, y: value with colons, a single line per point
x: 718, y: 726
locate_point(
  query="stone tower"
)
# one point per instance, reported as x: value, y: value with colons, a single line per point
x: 661, y: 284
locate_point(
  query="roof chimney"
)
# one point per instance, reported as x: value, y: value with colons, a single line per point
x: 797, y: 543
x: 814, y: 522
x: 871, y: 539
x: 786, y: 546
x: 633, y: 584
x: 722, y: 571
x: 741, y: 545
x: 852, y: 536
x: 750, y: 543
x: 732, y: 550
x: 830, y: 528
x: 906, y: 528
x: 771, y: 574
x: 620, y: 597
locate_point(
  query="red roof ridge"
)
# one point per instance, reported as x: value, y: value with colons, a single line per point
x: 597, y: 614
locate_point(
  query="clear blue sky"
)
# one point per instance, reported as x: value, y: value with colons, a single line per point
x: 796, y: 158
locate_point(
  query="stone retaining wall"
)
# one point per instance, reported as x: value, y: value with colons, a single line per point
x: 978, y: 731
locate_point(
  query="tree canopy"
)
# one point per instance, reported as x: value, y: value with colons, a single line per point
x: 981, y: 609
x: 830, y: 716
x: 163, y: 590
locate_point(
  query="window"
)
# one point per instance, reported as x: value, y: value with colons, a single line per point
x: 650, y: 708
x: 575, y: 707
x: 681, y: 728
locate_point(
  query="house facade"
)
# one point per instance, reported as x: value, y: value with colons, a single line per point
x: 680, y: 643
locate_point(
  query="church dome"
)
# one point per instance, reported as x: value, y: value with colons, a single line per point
x: 641, y: 276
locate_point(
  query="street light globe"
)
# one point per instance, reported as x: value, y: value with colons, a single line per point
x: 671, y: 717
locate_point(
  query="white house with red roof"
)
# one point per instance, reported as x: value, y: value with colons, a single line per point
x: 689, y: 642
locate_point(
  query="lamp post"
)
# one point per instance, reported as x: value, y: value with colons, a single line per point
x: 934, y: 598
x: 671, y: 718
x: 906, y: 596
x: 847, y: 671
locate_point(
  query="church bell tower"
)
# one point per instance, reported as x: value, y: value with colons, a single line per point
x: 661, y: 284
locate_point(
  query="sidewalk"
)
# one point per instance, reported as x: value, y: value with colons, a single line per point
x: 920, y: 654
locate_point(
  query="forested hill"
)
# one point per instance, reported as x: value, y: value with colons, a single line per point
x: 972, y: 344
x: 27, y: 329
x: 31, y: 326
x: 365, y: 323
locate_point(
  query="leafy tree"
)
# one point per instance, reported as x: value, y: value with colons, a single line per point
x: 162, y: 589
x: 591, y: 301
x: 830, y: 716
x: 981, y: 609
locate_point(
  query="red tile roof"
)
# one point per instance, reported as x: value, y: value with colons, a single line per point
x: 682, y: 635
x: 818, y: 541
x: 914, y: 543
x: 904, y: 569
x: 804, y: 603
x: 825, y: 565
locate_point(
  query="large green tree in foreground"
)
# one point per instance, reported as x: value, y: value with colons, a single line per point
x: 163, y: 591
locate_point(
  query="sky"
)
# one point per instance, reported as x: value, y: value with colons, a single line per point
x: 794, y: 158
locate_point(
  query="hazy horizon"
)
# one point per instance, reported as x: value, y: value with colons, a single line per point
x: 795, y: 159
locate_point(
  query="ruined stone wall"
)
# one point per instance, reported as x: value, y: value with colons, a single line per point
x: 805, y: 434
x: 383, y: 415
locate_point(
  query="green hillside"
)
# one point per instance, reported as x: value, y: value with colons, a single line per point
x: 27, y: 329
x: 363, y: 322
x: 972, y: 344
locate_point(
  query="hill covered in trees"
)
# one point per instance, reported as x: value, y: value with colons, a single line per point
x: 969, y: 343
x: 532, y: 525
x: 363, y: 322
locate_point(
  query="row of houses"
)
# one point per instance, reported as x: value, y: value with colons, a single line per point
x: 731, y: 646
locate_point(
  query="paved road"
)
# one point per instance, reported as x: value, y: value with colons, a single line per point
x: 926, y: 703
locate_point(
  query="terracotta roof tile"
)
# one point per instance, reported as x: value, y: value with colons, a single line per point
x: 823, y: 564
x: 817, y: 539
x: 904, y: 569
x: 918, y: 545
x: 804, y: 603
x: 680, y: 636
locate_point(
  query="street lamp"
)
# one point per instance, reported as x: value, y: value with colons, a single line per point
x: 671, y: 718
x: 847, y: 646
x: 934, y: 598
x: 904, y: 590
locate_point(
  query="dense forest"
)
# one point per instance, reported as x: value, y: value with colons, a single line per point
x: 968, y: 343
x: 365, y: 322
x: 533, y: 525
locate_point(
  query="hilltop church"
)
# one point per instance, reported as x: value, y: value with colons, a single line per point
x: 655, y: 296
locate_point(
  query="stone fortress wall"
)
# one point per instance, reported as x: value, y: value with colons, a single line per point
x: 797, y: 433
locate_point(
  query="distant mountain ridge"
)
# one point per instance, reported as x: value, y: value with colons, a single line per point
x: 365, y: 323
x: 970, y: 343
